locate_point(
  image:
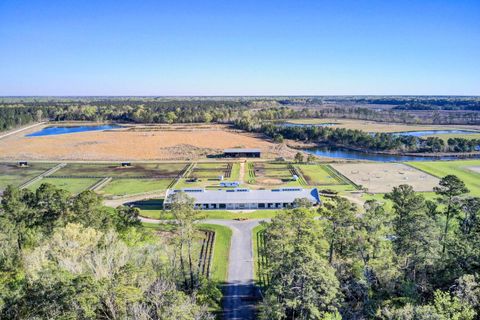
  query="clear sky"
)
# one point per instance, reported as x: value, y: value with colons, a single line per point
x: 230, y: 47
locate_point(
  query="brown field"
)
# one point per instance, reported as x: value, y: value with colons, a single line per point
x: 382, y: 177
x: 181, y: 142
x: 372, y: 126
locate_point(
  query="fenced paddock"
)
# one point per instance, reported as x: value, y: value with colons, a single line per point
x: 382, y: 177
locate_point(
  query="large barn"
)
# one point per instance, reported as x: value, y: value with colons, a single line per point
x: 241, y: 198
x: 242, y: 153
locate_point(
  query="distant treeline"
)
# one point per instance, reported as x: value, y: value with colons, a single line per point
x: 357, y: 139
x: 15, y: 112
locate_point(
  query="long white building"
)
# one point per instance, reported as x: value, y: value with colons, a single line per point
x: 240, y: 198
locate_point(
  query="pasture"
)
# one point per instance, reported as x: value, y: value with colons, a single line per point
x: 382, y: 177
x: 12, y: 174
x: 466, y: 170
x: 73, y: 185
x: 321, y: 175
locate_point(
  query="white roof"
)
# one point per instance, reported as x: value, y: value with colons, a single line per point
x: 240, y: 195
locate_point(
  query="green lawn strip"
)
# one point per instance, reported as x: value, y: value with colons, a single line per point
x: 154, y: 212
x: 221, y: 251
x: 258, y: 259
x: 121, y: 187
x: 235, y: 174
x: 458, y: 167
x: 74, y: 185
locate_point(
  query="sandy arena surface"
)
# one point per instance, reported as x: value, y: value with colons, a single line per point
x: 382, y: 177
x: 135, y: 143
x: 474, y: 169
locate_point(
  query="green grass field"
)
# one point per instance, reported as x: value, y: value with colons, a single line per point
x: 221, y: 251
x: 458, y: 168
x: 75, y: 185
x: 318, y: 175
x: 11, y: 174
x: 152, y: 210
x: 120, y: 187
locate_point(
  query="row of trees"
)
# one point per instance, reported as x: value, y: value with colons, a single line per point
x: 358, y: 139
x: 68, y: 257
x: 411, y: 259
x: 21, y: 111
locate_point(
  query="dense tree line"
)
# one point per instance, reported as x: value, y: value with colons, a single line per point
x: 68, y: 257
x: 20, y: 111
x: 358, y: 139
x: 414, y: 259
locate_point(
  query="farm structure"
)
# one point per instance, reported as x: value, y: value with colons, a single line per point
x: 242, y: 153
x: 240, y: 198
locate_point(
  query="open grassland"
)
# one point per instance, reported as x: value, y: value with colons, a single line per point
x: 372, y: 126
x: 464, y: 169
x: 138, y: 143
x: 382, y: 177
x: 120, y: 187
x: 221, y: 251
x: 12, y: 174
x: 75, y: 185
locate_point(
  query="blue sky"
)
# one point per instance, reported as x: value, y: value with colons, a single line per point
x: 62, y: 47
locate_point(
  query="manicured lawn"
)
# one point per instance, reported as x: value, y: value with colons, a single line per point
x: 73, y: 185
x: 221, y: 251
x: 459, y: 168
x: 11, y: 174
x: 121, y: 187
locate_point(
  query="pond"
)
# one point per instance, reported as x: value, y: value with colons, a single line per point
x: 434, y: 132
x: 342, y: 153
x: 50, y: 131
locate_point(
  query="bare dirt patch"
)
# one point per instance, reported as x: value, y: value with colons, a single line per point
x: 382, y: 177
x: 138, y: 143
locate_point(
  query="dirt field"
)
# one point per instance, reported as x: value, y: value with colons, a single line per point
x: 137, y: 143
x: 382, y: 177
x: 372, y: 126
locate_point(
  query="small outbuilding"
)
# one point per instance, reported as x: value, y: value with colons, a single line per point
x: 23, y: 164
x: 242, y: 153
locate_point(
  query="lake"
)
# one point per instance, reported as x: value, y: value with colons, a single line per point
x: 50, y: 131
x: 342, y: 153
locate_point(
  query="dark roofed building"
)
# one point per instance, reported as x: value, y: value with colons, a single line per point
x: 242, y: 153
